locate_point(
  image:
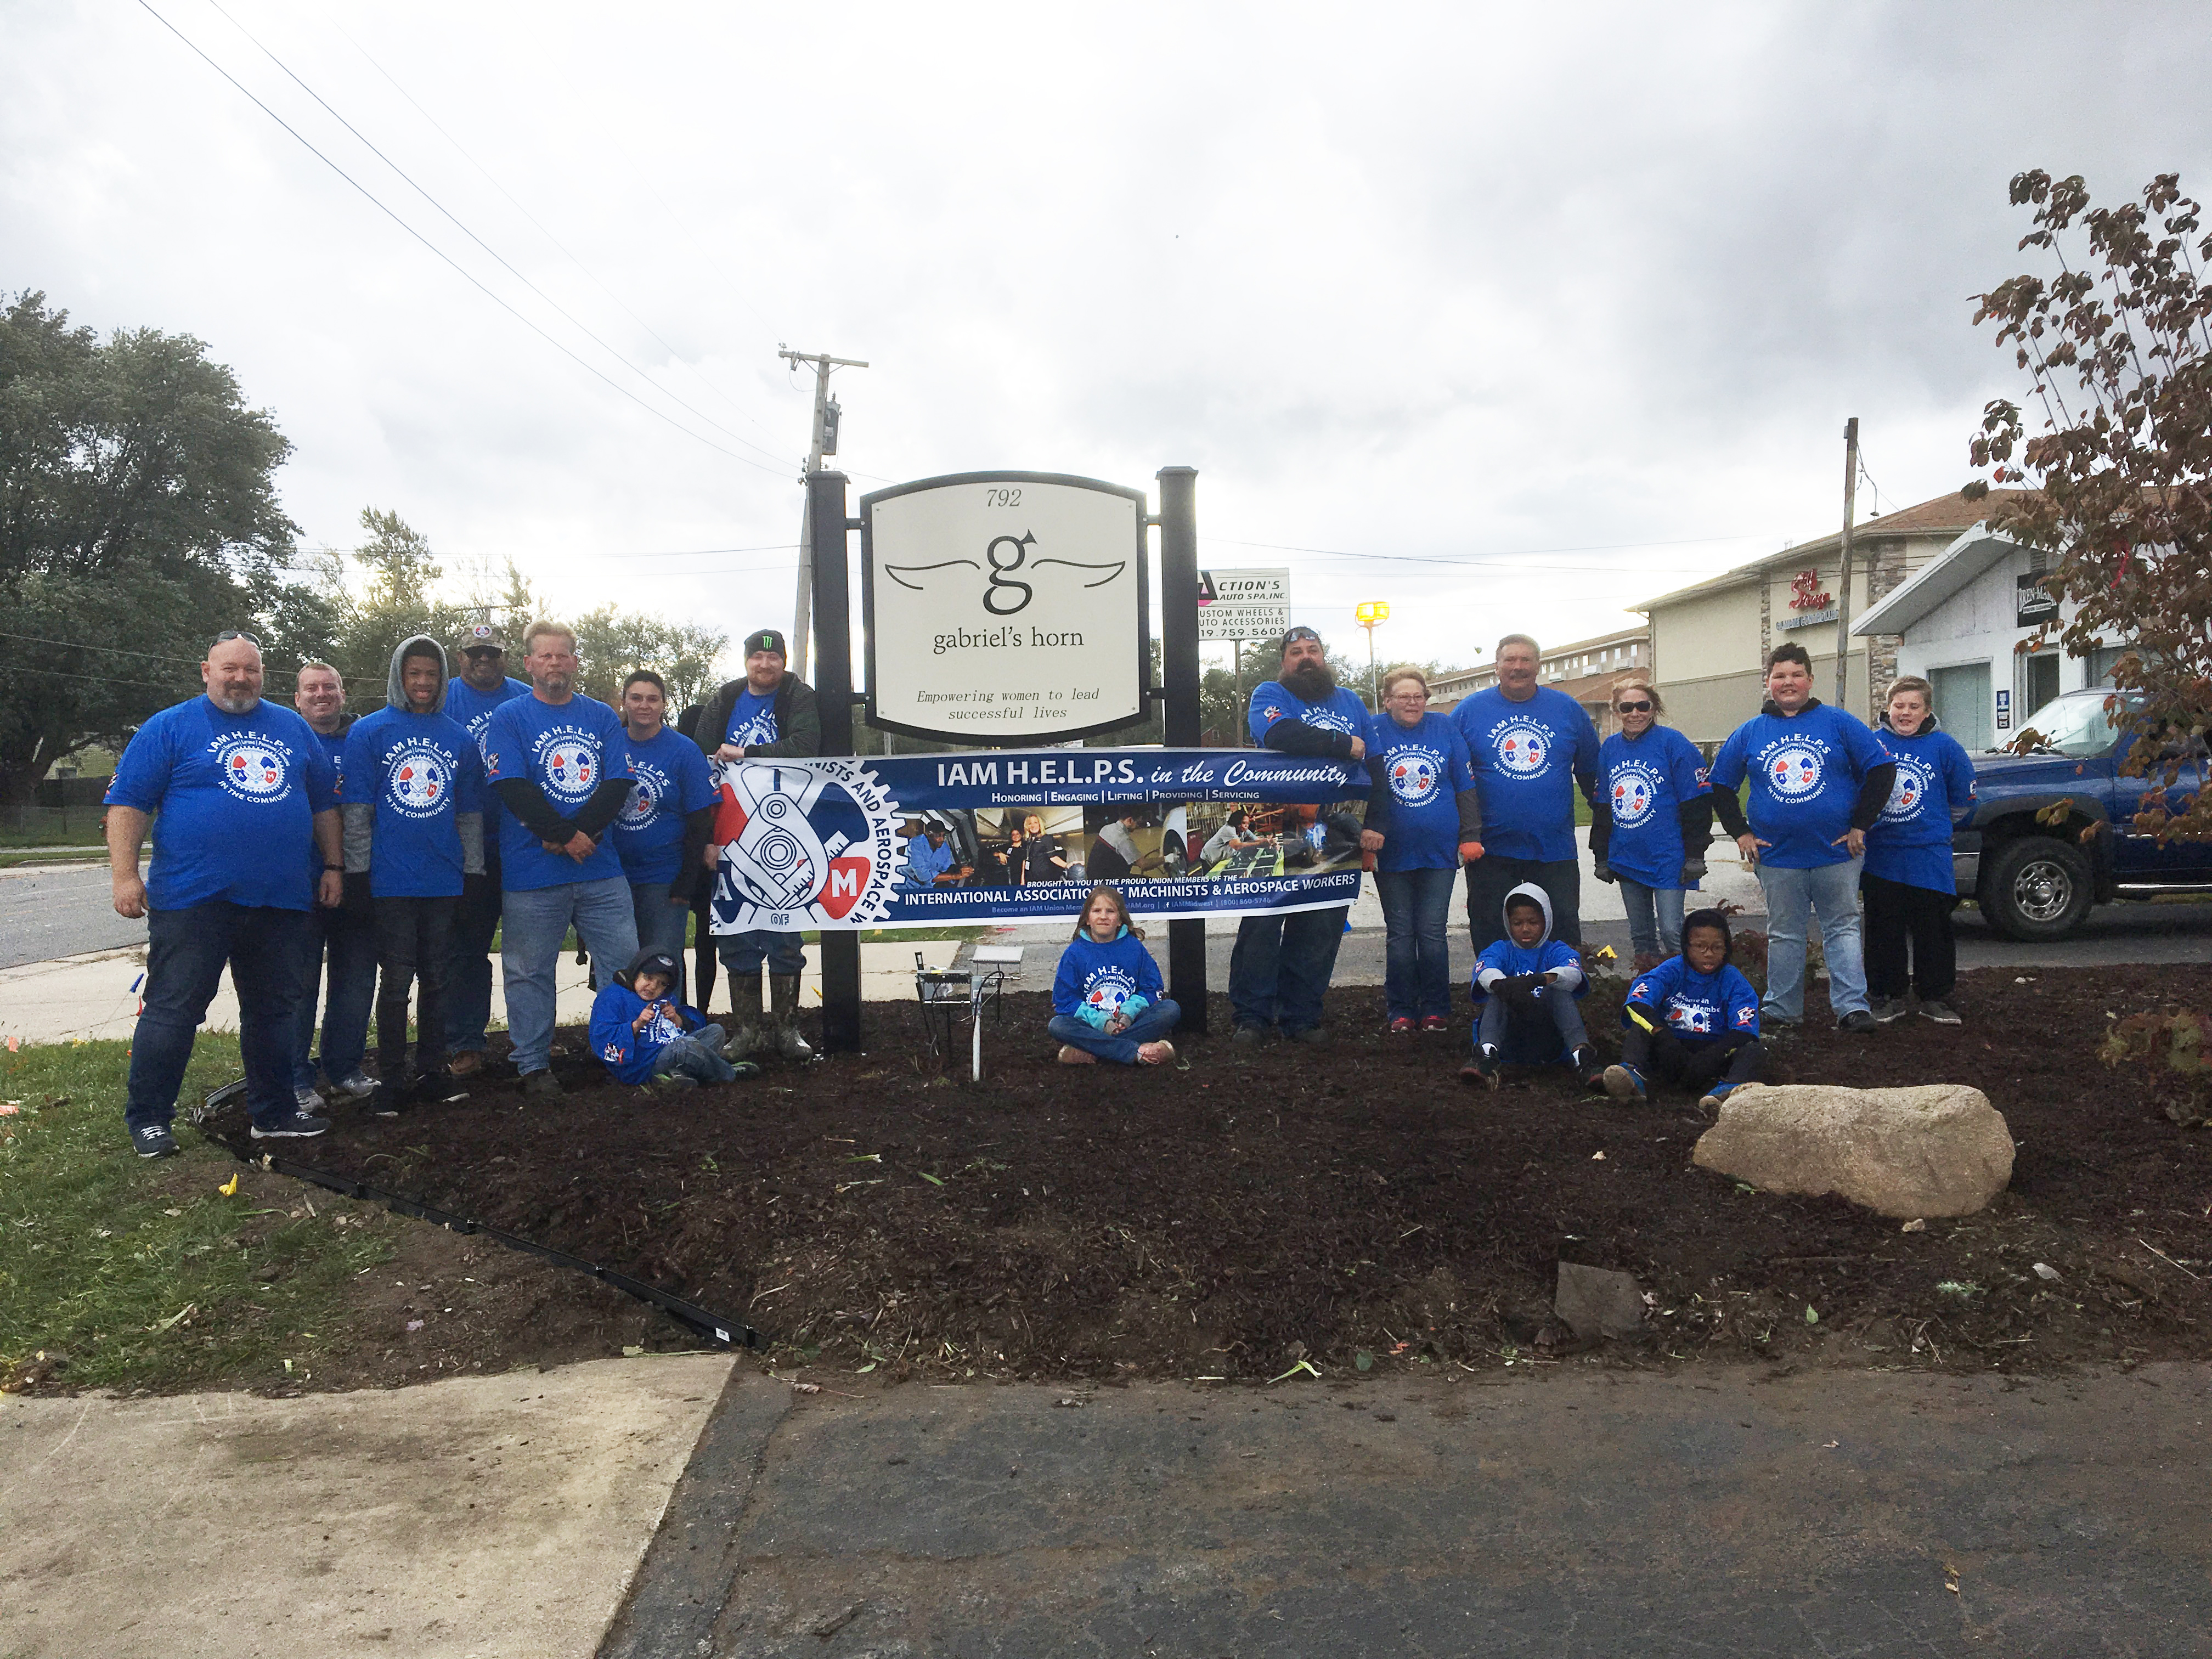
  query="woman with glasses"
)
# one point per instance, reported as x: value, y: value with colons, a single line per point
x: 1650, y: 822
x: 1423, y: 818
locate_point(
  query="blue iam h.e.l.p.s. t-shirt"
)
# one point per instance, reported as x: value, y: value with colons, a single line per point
x: 1805, y: 771
x: 566, y: 749
x: 1526, y: 756
x: 419, y: 772
x: 1424, y: 766
x: 1644, y: 781
x: 1911, y: 841
x: 673, y: 781
x: 235, y: 796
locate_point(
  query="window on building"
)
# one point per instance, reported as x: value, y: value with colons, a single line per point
x: 2103, y: 660
x: 2042, y: 680
x: 1962, y: 703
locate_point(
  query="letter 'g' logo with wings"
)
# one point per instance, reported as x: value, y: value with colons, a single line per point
x: 1004, y: 593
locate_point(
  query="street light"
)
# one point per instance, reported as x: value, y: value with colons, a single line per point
x: 1368, y: 614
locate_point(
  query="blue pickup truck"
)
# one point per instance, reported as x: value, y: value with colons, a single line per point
x: 2035, y: 878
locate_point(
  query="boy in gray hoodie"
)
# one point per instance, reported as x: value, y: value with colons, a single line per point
x: 413, y: 799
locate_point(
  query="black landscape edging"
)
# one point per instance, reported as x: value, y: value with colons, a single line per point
x: 713, y: 1327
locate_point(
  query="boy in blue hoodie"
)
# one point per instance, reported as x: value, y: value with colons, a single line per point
x: 1108, y: 1002
x: 1692, y: 1019
x: 643, y: 1034
x: 1526, y: 986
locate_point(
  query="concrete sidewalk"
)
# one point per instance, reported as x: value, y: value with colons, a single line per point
x: 475, y: 1518
x: 96, y: 994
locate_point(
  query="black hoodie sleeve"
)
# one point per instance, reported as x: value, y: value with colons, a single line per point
x: 1296, y: 738
x: 697, y: 827
x: 604, y: 806
x: 1600, y: 828
x: 1873, y: 794
x: 527, y: 802
x: 1729, y: 811
x: 1696, y: 816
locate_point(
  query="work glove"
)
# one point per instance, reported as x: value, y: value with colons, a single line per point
x: 1602, y: 871
x: 1520, y: 994
x: 1666, y: 1045
x: 1693, y: 871
x: 355, y: 902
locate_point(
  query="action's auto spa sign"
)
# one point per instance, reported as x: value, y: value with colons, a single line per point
x: 1005, y: 607
x: 825, y: 843
x: 1244, y: 604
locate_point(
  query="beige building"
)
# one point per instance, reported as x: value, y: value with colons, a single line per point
x: 1709, y: 641
x: 1586, y: 671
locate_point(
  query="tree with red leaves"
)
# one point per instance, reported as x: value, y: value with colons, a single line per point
x: 2118, y: 344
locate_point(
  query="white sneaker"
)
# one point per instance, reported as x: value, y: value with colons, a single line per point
x: 357, y: 1086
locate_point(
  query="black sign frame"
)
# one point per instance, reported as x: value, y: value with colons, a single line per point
x: 2032, y: 604
x: 967, y: 738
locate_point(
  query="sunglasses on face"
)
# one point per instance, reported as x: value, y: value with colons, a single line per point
x: 1633, y: 708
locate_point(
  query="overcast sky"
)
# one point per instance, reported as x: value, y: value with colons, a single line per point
x: 1576, y: 302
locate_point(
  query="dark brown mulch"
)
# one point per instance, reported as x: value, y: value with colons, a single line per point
x: 1232, y: 1217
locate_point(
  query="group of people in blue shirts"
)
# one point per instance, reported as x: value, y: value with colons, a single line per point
x: 1833, y: 814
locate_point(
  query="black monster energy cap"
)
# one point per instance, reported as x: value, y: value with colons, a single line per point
x: 767, y: 639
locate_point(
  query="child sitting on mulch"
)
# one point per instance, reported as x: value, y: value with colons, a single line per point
x: 1108, y: 1002
x: 644, y: 1036
x: 1692, y: 1019
x: 1526, y: 986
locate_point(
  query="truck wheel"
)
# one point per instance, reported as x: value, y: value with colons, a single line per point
x: 2038, y: 888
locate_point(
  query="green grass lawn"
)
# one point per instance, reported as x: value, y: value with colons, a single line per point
x: 140, y: 1271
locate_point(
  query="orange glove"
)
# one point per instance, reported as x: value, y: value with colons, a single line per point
x: 1469, y: 851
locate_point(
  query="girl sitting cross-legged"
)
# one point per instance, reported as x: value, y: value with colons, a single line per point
x: 1108, y: 1002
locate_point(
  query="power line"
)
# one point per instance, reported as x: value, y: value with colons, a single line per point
x: 410, y: 181
x: 463, y: 270
x: 573, y: 259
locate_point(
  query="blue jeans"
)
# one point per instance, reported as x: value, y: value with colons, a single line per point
x: 1495, y: 1027
x: 343, y: 947
x: 468, y: 971
x: 1655, y: 918
x: 186, y: 952
x: 742, y: 953
x: 660, y: 925
x: 695, y: 1054
x: 1281, y: 966
x: 1149, y: 1026
x: 1416, y: 911
x: 1833, y: 891
x: 534, y: 922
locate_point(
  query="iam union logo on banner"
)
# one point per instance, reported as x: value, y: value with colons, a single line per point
x: 803, y: 846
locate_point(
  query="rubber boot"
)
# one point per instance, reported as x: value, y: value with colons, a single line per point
x: 784, y: 987
x: 744, y: 1018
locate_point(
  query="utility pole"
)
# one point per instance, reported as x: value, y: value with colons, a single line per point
x: 1844, y: 584
x: 824, y: 443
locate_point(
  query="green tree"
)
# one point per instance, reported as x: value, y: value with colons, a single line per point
x: 611, y: 641
x: 2118, y: 343
x: 138, y: 517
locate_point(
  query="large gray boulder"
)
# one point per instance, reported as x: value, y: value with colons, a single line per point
x: 1940, y: 1149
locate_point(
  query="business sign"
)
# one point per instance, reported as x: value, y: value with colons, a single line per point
x: 1244, y: 604
x: 1005, y: 607
x: 2033, y: 605
x: 825, y: 843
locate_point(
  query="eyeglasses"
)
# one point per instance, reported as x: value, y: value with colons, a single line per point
x: 1633, y: 708
x: 230, y: 634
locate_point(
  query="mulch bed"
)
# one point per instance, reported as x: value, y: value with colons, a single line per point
x: 1354, y: 1206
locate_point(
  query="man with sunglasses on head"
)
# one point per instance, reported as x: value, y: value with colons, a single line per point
x: 245, y: 789
x: 1531, y: 746
x: 1282, y: 961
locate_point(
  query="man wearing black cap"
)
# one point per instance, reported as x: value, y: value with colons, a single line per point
x: 771, y: 714
x: 1282, y: 961
x: 470, y: 696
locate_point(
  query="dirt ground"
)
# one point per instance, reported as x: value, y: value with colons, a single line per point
x: 1355, y: 1207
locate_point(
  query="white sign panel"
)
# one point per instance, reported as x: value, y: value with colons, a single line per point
x: 1244, y: 604
x: 1005, y: 607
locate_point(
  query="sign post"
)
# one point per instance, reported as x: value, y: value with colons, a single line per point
x: 828, y: 531
x: 1184, y: 721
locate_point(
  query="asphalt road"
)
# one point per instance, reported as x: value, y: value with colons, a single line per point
x: 1580, y: 1511
x: 59, y: 910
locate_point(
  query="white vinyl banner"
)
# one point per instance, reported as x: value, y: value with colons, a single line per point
x: 1004, y: 608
